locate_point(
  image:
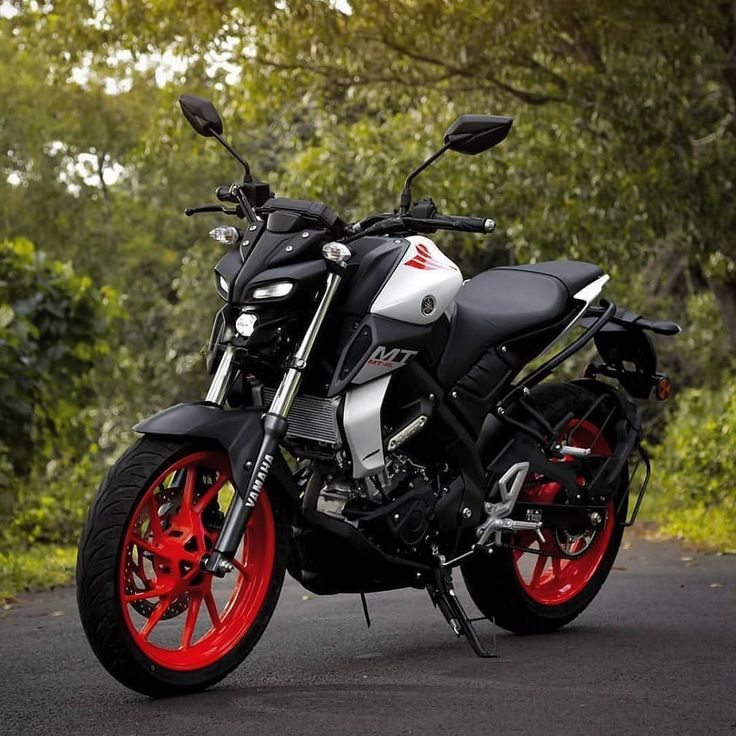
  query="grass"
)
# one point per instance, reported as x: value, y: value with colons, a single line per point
x: 38, y: 568
x: 710, y: 529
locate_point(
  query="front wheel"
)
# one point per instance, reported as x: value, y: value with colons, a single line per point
x: 536, y: 587
x: 156, y: 622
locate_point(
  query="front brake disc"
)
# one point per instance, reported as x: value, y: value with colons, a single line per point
x: 135, y: 574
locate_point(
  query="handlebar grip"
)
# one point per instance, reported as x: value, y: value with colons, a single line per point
x: 223, y: 193
x: 468, y: 224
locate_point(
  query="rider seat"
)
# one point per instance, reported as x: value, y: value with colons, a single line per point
x: 507, y: 302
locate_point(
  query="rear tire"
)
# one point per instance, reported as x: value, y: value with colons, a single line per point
x: 126, y: 552
x: 495, y: 582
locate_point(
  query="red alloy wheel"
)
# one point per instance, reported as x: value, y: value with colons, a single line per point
x: 179, y: 617
x: 550, y: 580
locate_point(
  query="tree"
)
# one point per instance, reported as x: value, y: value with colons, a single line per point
x: 626, y: 110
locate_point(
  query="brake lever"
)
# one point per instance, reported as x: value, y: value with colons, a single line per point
x: 189, y: 211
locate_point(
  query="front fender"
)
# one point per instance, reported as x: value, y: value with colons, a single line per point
x: 238, y: 431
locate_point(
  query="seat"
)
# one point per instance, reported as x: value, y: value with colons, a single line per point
x: 506, y: 302
x: 573, y: 274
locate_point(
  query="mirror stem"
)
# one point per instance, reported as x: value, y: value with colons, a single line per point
x: 405, y: 202
x: 247, y: 177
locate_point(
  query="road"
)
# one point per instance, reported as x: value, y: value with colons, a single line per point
x: 654, y: 654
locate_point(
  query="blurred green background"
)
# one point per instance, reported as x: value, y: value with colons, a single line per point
x: 623, y: 153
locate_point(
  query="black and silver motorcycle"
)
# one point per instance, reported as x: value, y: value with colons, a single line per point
x: 369, y: 426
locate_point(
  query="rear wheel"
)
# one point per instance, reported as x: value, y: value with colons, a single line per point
x: 541, y: 586
x: 158, y: 623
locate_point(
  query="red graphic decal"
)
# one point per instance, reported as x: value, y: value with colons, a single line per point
x: 423, y: 259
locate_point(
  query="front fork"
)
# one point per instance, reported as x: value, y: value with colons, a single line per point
x: 274, y: 429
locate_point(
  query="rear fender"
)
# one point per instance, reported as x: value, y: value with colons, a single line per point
x: 238, y: 431
x: 629, y: 355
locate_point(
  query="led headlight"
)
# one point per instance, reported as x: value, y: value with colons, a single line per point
x: 273, y: 290
x: 224, y: 286
x: 246, y: 323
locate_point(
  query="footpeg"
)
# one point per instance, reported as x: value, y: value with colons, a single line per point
x: 508, y: 525
x: 509, y: 487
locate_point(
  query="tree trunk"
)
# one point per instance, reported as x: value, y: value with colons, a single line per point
x: 725, y: 294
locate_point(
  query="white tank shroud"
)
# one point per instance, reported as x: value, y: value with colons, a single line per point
x: 421, y: 287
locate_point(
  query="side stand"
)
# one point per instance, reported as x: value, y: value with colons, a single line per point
x: 442, y: 594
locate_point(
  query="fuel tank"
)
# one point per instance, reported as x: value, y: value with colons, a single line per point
x: 421, y: 287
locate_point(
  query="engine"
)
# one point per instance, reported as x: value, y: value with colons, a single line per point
x: 394, y: 510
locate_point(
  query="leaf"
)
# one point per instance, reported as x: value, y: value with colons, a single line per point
x: 6, y: 315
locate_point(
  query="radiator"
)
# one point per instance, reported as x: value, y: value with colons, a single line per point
x: 311, y: 417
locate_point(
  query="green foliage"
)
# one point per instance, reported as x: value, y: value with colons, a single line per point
x: 57, y: 353
x: 54, y: 333
x: 695, y: 468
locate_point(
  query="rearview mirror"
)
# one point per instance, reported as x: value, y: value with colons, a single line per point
x: 471, y: 134
x: 201, y: 115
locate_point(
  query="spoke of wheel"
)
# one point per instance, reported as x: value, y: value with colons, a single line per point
x: 538, y: 569
x: 154, y: 519
x: 210, y: 493
x: 191, y: 622
x: 143, y: 544
x: 189, y: 483
x: 556, y: 566
x: 155, y: 617
x: 241, y: 568
x: 212, y: 608
x: 144, y: 594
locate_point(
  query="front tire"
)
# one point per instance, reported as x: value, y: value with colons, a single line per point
x: 529, y: 593
x: 157, y: 623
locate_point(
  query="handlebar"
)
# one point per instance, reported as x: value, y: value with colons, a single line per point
x: 458, y: 223
x: 386, y: 223
x: 399, y: 223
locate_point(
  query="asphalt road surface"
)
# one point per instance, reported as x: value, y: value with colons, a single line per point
x: 654, y: 654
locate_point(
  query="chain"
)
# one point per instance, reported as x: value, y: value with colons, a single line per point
x: 545, y: 553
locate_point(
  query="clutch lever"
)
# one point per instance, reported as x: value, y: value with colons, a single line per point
x: 189, y: 211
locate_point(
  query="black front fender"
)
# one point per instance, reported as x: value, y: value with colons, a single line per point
x: 238, y: 431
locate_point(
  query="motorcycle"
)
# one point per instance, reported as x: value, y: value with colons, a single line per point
x: 372, y: 423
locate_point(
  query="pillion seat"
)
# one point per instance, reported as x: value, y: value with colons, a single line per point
x: 506, y: 302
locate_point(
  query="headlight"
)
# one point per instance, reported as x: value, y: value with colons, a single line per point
x: 224, y: 286
x: 246, y: 323
x: 274, y: 290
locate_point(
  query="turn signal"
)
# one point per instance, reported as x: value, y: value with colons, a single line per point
x: 228, y: 234
x: 663, y: 388
x: 336, y: 252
